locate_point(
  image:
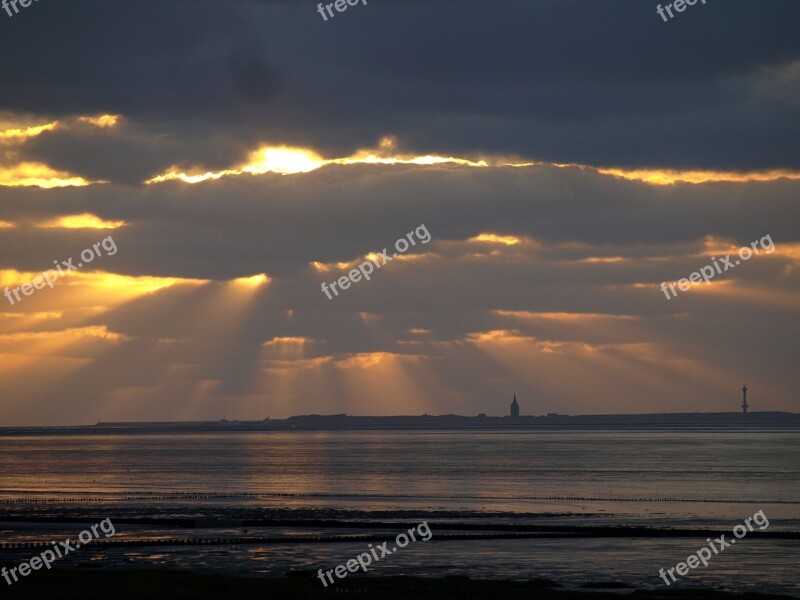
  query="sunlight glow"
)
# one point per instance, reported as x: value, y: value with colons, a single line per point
x: 790, y: 250
x: 497, y: 335
x: 283, y: 160
x: 82, y: 221
x: 343, y: 266
x: 671, y: 177
x: 27, y: 132
x: 130, y: 285
x: 558, y: 316
x: 254, y: 280
x: 287, y: 160
x: 38, y: 174
x: 604, y: 259
x: 287, y: 340
x: 493, y: 238
x: 713, y: 245
x: 364, y: 360
x: 102, y: 120
x: 15, y: 130
x: 122, y: 285
x: 95, y: 331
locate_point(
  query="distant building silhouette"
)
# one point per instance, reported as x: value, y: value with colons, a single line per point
x: 514, y: 407
x: 744, y: 399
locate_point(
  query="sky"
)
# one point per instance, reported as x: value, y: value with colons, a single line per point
x: 227, y: 159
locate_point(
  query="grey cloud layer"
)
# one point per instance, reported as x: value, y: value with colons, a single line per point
x: 278, y: 224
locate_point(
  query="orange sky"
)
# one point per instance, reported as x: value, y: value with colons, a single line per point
x: 227, y: 318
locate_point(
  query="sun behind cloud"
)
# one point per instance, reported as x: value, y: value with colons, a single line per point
x: 288, y: 160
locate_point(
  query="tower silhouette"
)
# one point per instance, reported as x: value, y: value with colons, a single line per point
x: 744, y: 399
x: 514, y: 406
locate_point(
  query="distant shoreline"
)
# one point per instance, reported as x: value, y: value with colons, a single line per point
x: 438, y: 423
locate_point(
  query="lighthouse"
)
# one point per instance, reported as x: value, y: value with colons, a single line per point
x: 744, y: 399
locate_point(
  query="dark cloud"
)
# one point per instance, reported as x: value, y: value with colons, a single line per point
x: 603, y: 83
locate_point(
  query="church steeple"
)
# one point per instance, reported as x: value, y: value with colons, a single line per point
x: 514, y: 406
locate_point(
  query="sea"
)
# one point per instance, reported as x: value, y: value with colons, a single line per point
x: 576, y: 507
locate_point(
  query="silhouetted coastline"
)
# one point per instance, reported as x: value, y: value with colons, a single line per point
x: 441, y: 422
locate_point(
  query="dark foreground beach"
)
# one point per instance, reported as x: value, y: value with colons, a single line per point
x: 172, y: 585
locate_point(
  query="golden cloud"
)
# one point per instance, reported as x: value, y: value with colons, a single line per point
x: 39, y: 174
x: 81, y: 221
x: 102, y: 120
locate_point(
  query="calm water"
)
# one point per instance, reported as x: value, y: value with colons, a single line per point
x: 652, y: 478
